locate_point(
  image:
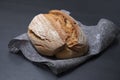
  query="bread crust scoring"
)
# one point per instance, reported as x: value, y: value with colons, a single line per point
x: 57, y: 33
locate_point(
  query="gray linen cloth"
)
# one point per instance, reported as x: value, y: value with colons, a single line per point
x: 99, y: 37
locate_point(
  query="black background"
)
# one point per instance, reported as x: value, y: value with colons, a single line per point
x: 15, y: 16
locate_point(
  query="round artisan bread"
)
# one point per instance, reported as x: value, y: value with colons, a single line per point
x: 57, y: 34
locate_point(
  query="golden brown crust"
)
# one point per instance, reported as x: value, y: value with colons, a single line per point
x: 69, y: 42
x: 39, y: 47
x: 39, y: 32
x: 57, y: 25
x: 65, y: 25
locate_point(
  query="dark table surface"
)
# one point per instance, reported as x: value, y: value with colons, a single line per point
x: 15, y: 17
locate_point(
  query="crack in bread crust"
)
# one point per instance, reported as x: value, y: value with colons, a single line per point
x: 64, y: 27
x: 57, y: 34
x: 38, y: 37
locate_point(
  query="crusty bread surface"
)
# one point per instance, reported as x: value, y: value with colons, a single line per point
x: 57, y: 34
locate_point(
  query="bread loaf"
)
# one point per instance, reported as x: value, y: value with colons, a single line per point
x: 57, y: 34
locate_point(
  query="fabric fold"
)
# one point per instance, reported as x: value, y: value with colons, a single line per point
x: 99, y: 37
